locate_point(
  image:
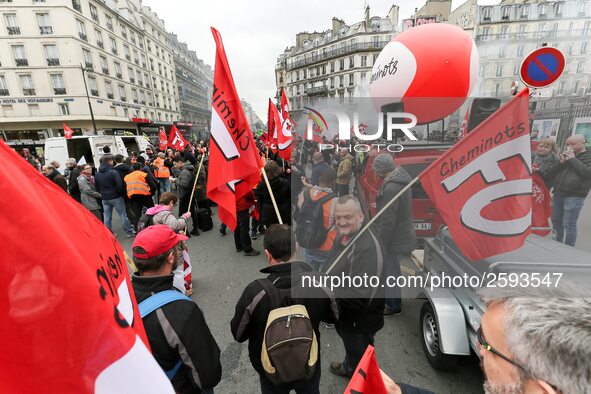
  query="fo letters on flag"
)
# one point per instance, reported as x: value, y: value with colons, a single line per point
x: 482, y: 186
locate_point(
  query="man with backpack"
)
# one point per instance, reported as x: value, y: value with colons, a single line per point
x: 138, y: 191
x: 280, y: 319
x: 315, y: 231
x: 179, y: 337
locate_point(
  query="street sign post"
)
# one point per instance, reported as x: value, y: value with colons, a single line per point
x: 542, y: 67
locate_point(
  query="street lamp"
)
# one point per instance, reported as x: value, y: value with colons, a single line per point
x: 85, y: 69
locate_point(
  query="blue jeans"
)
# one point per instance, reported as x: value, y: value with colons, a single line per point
x: 392, y: 267
x: 565, y: 213
x: 119, y: 206
x: 164, y: 185
x: 355, y: 343
x: 316, y: 258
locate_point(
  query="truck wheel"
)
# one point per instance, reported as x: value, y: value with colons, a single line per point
x: 431, y: 341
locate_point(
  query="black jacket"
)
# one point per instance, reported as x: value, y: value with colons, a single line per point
x: 316, y: 171
x: 108, y: 182
x: 253, y: 307
x: 282, y: 192
x: 395, y: 227
x: 191, y: 338
x: 59, y: 180
x: 123, y: 170
x: 571, y: 178
x: 73, y: 187
x: 361, y: 308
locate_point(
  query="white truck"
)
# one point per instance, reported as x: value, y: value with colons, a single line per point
x: 91, y: 148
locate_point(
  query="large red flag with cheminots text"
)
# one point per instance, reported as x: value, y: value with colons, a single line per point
x: 234, y: 162
x: 367, y: 378
x: 483, y: 186
x: 69, y: 318
x: 162, y: 139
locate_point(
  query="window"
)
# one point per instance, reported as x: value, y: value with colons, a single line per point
x: 118, y: 72
x: 524, y: 11
x: 522, y: 31
x: 44, y: 23
x: 126, y: 52
x: 136, y: 58
x: 143, y: 60
x: 542, y: 10
x: 132, y: 36
x: 76, y: 5
x: 584, y: 47
x: 122, y: 93
x: 341, y: 64
x: 12, y: 24
x: 351, y: 79
x: 486, y: 12
x: 109, y: 89
x: 575, y: 87
x: 580, y: 67
x: 147, y: 80
x: 503, y: 35
x: 93, y: 13
x: 57, y: 81
x: 586, y: 28
x: 582, y: 5
x: 33, y: 109
x: 99, y: 39
x: 134, y: 96
x: 499, y: 72
x: 3, y: 87
x: 93, y: 86
x: 506, y: 13
x: 20, y: 57
x: 502, y: 49
x: 340, y: 81
x: 113, y: 46
x: 482, y: 70
x: 87, y: 58
x: 64, y: 109
x: 558, y: 9
x: 130, y: 75
x: 363, y: 61
x: 520, y: 50
x: 351, y: 62
x: 109, y: 22
x: 27, y: 84
x: 123, y: 32
x: 104, y: 65
x: 485, y: 32
x: 81, y: 30
x: 51, y: 55
x: 139, y: 77
x: 142, y: 97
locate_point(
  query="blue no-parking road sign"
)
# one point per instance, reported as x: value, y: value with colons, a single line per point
x: 542, y: 67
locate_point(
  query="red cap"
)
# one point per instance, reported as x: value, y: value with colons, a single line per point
x: 156, y: 240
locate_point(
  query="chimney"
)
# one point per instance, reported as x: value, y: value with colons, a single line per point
x: 367, y: 15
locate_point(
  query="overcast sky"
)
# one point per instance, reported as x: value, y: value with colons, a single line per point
x: 255, y: 32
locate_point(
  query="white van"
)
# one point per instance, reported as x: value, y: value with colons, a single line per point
x: 91, y: 148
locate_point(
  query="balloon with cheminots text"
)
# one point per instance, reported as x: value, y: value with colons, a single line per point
x: 431, y: 69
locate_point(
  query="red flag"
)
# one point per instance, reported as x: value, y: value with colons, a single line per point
x: 176, y: 139
x: 273, y: 126
x: 285, y: 136
x: 162, y: 140
x: 318, y: 125
x: 464, y: 127
x: 482, y: 186
x: 541, y: 205
x: 367, y: 378
x: 234, y: 162
x: 68, y: 132
x: 70, y: 322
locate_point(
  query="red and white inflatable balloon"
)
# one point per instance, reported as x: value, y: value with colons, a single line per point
x: 430, y: 68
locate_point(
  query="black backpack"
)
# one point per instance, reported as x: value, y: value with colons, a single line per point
x: 310, y: 232
x: 204, y: 221
x: 144, y: 222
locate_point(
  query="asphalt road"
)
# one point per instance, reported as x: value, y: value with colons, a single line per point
x: 220, y: 274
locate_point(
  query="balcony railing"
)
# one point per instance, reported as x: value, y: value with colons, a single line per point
x: 119, y: 75
x: 110, y: 96
x: 94, y: 92
x: 532, y: 35
x: 94, y: 17
x: 128, y: 57
x: 4, y: 92
x: 316, y: 90
x: 89, y: 66
x: 140, y: 83
x: 21, y: 62
x: 29, y: 92
x: 59, y: 91
x: 132, y: 80
x: 310, y: 59
x: 114, y: 51
x: 135, y: 101
x: 105, y: 71
x: 83, y: 37
x: 13, y: 30
x: 100, y: 44
x: 43, y: 30
x: 53, y: 62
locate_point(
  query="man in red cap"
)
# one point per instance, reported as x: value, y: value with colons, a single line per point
x: 180, y: 339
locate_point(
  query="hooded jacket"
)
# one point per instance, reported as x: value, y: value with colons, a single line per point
x: 282, y: 192
x: 59, y: 180
x: 253, y: 307
x: 123, y: 170
x: 108, y: 182
x: 395, y: 227
x: 163, y: 215
x: 178, y: 330
x: 185, y: 181
x: 571, y: 178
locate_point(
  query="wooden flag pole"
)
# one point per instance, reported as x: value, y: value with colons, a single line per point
x: 272, y: 196
x: 370, y: 223
x: 196, y: 178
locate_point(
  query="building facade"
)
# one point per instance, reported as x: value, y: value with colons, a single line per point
x: 252, y: 118
x: 335, y: 63
x: 195, y: 83
x: 52, y: 52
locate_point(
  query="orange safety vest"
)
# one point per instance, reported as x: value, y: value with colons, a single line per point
x: 326, y: 213
x: 136, y: 184
x: 160, y: 170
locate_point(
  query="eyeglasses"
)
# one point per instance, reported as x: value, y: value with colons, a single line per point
x: 491, y: 349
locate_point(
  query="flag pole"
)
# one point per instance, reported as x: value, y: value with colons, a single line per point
x: 371, y: 222
x: 195, y: 183
x: 272, y: 196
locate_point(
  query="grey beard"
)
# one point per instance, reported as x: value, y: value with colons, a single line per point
x: 503, y: 389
